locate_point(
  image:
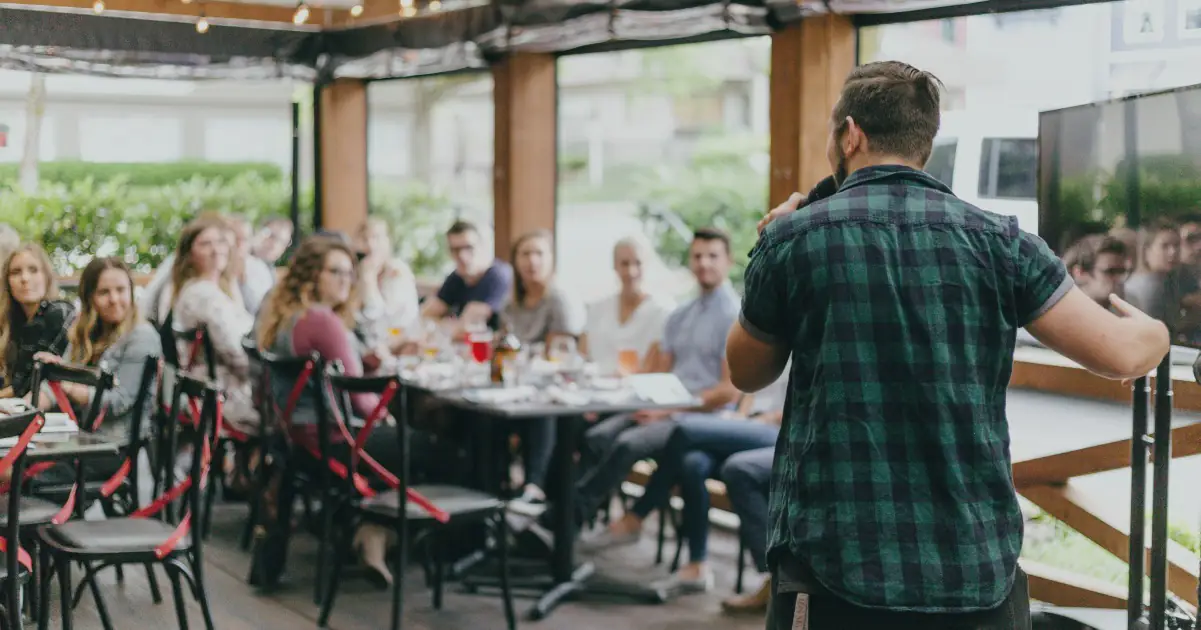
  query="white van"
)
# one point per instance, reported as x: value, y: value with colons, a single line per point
x: 990, y: 160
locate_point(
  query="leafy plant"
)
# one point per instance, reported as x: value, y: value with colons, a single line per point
x: 719, y: 187
x: 141, y: 174
x: 418, y: 218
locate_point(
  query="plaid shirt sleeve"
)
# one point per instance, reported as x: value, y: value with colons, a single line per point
x: 765, y: 312
x: 1041, y: 278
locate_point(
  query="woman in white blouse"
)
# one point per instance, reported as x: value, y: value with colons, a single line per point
x: 631, y: 321
x: 388, y: 289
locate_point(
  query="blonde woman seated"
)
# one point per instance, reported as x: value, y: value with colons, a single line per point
x: 313, y: 310
x: 623, y: 332
x: 204, y: 295
x: 387, y: 289
x: 32, y: 318
x: 109, y: 333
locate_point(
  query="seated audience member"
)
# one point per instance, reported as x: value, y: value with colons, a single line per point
x: 33, y: 318
x: 388, y: 289
x: 313, y: 310
x: 1099, y: 265
x: 205, y: 294
x: 538, y: 313
x: 630, y: 321
x: 272, y: 240
x: 110, y: 334
x: 478, y: 287
x: 155, y: 302
x: 1152, y: 287
x: 255, y: 277
x: 698, y: 447
x: 694, y: 350
x: 747, y: 476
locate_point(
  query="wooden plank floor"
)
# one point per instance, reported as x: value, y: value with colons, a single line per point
x: 237, y: 606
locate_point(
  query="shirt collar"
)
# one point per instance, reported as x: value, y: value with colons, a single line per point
x: 892, y: 172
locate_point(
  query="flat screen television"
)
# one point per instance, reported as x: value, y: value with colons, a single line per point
x: 1119, y: 197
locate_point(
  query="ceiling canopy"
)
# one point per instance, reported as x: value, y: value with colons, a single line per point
x: 375, y: 39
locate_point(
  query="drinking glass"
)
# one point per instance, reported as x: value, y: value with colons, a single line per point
x: 481, y: 347
x: 562, y: 350
x: 627, y: 362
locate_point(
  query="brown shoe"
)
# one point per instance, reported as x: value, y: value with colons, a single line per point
x: 751, y: 603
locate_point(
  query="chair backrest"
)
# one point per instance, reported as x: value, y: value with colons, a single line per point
x: 22, y: 426
x: 99, y: 379
x: 202, y: 441
x: 288, y: 381
x: 200, y: 346
x: 339, y: 388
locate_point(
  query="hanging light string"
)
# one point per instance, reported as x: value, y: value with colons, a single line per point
x: 202, y: 22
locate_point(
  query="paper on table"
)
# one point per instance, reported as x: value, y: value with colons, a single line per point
x: 660, y: 389
x: 500, y: 396
x: 59, y: 423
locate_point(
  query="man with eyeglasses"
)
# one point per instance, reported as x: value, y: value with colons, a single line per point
x: 1099, y: 265
x: 478, y: 287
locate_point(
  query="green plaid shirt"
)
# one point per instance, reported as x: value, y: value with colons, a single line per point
x: 900, y: 305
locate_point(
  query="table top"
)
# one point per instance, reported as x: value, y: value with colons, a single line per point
x: 526, y: 410
x: 55, y: 447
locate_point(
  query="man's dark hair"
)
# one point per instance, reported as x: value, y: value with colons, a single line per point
x: 712, y: 234
x: 462, y: 227
x: 896, y: 106
x: 1086, y: 251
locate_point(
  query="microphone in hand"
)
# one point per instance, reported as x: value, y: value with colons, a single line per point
x: 825, y: 188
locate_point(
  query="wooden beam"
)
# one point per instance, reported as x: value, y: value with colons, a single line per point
x: 1045, y: 370
x: 213, y: 10
x: 343, y: 155
x: 525, y: 163
x: 1060, y: 467
x: 810, y: 61
x: 1063, y: 588
x: 1104, y: 522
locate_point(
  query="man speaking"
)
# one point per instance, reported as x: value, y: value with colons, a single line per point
x: 892, y: 502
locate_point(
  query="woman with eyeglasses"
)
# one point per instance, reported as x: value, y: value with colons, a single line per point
x: 313, y: 309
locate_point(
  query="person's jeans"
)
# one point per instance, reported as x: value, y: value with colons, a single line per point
x: 747, y: 476
x: 537, y: 449
x: 695, y: 450
x: 825, y: 611
x: 617, y: 443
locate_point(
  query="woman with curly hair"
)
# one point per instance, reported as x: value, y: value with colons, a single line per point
x: 313, y: 309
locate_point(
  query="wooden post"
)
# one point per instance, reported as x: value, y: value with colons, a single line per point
x: 525, y: 163
x: 810, y: 61
x: 342, y: 157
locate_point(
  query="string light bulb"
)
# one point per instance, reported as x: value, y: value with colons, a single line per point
x: 302, y: 14
x: 356, y: 10
x: 202, y: 25
x: 98, y: 6
x: 435, y: 5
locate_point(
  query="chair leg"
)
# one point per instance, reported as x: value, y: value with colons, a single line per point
x: 152, y: 580
x: 98, y: 597
x: 341, y: 551
x: 181, y: 611
x: 323, y: 546
x: 662, y: 534
x: 741, y: 565
x: 502, y: 545
x: 201, y: 595
x: 439, y: 570
x: 64, y: 592
x: 43, y: 570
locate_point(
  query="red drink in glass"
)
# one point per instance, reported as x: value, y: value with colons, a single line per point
x: 481, y: 348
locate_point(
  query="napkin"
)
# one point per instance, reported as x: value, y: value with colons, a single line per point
x: 500, y: 396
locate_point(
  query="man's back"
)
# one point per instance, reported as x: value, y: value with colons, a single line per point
x: 900, y: 304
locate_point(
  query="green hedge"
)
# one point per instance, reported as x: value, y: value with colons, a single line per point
x: 141, y: 224
x: 142, y: 174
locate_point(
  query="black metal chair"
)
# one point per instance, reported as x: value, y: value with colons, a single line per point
x: 18, y: 565
x: 270, y: 550
x: 440, y: 508
x: 118, y: 494
x: 151, y: 534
